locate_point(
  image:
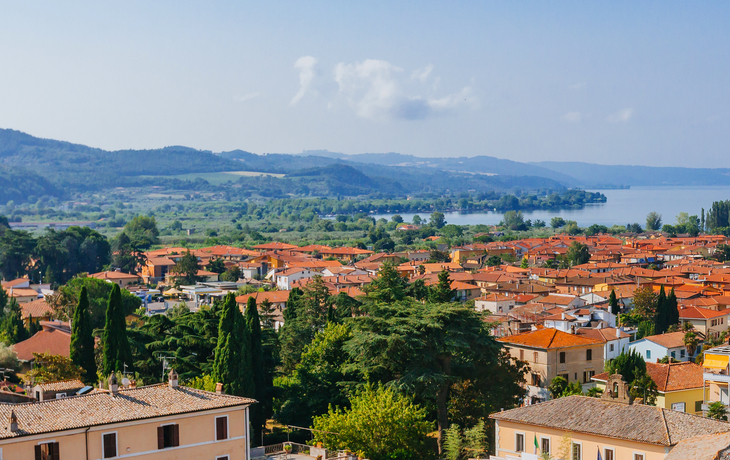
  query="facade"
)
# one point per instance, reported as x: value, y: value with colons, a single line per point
x: 582, y: 428
x: 615, y: 340
x: 716, y: 375
x: 157, y: 422
x: 656, y: 347
x: 709, y: 323
x: 550, y: 353
x: 495, y: 303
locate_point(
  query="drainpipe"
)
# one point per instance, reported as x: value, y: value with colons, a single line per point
x: 86, y: 435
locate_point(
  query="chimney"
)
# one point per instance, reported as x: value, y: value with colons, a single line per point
x: 172, y: 379
x: 12, y: 421
x: 618, y: 333
x: 113, y: 385
x: 219, y: 388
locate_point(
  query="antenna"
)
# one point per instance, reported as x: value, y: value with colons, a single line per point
x: 165, y: 365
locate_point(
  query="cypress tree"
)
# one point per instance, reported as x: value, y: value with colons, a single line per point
x: 672, y: 308
x: 257, y: 369
x: 241, y: 340
x: 116, y: 350
x: 33, y: 326
x: 613, y: 303
x: 82, y: 339
x: 661, y: 322
x: 13, y: 328
x: 225, y: 363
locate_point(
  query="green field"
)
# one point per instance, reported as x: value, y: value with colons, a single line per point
x: 217, y: 178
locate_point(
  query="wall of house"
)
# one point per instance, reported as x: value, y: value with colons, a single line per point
x: 139, y: 439
x: 623, y: 450
x: 688, y: 397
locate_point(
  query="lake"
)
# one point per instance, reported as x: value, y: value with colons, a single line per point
x: 623, y: 207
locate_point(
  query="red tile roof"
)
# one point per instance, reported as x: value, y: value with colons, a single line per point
x: 548, y: 338
x: 38, y: 308
x: 51, y: 341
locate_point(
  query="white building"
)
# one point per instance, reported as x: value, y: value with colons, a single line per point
x: 656, y: 347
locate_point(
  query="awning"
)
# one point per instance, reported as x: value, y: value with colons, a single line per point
x: 716, y: 361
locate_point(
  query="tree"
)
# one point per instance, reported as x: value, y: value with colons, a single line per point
x: 424, y: 348
x: 718, y: 411
x: 645, y: 388
x: 524, y: 264
x: 557, y: 222
x: 691, y: 342
x: 232, y: 274
x: 453, y: 443
x: 672, y: 309
x: 16, y: 249
x: 645, y: 302
x: 216, y: 265
x: 142, y: 231
x: 66, y: 299
x: 12, y: 329
x: 52, y: 368
x: 116, y: 350
x: 258, y: 421
x: 661, y: 321
x: 442, y: 291
x: 557, y: 387
x: 629, y: 364
x: 186, y: 269
x: 379, y: 422
x: 126, y: 257
x: 613, y: 303
x: 653, y: 221
x: 232, y: 362
x: 82, y: 339
x: 722, y: 253
x: 578, y: 254
x: 389, y: 286
x: 437, y: 220
x: 494, y: 261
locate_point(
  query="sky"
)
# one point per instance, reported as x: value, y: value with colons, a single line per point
x: 602, y: 82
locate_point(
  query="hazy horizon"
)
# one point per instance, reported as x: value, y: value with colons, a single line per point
x: 619, y: 83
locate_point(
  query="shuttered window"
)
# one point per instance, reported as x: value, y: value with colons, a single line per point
x: 221, y: 428
x: 168, y: 436
x: 47, y: 451
x: 110, y: 445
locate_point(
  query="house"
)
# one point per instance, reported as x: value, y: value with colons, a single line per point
x: 587, y: 427
x: 155, y: 269
x: 56, y: 390
x: 465, y: 291
x: 550, y: 353
x: 709, y: 323
x: 117, y: 277
x: 655, y: 347
x: 286, y: 278
x: 680, y: 386
x: 561, y: 300
x: 37, y: 309
x: 53, y: 338
x: 615, y: 340
x: 716, y: 375
x: 278, y: 300
x: 494, y: 303
x: 155, y: 422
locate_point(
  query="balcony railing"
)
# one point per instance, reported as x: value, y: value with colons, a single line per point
x: 716, y: 377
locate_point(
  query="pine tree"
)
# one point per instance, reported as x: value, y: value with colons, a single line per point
x: 613, y: 303
x: 257, y: 368
x: 672, y: 308
x: 442, y: 292
x: 13, y: 329
x: 82, y: 339
x: 661, y: 321
x: 116, y: 351
x: 33, y: 326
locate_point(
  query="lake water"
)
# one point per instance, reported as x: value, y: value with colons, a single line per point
x: 623, y: 207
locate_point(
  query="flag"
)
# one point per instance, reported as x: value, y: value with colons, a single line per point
x: 536, y: 446
x: 599, y: 454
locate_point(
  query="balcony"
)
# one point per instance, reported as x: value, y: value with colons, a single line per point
x: 293, y: 451
x: 709, y: 376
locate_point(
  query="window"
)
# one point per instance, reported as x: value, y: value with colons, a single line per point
x: 60, y: 395
x: 534, y: 356
x: 589, y: 355
x: 608, y: 454
x: 681, y: 353
x: 168, y: 436
x: 222, y: 457
x: 109, y: 444
x: 674, y: 354
x: 680, y: 406
x: 577, y: 451
x: 535, y: 379
x: 648, y: 354
x: 638, y: 456
x: 221, y: 428
x: 545, y: 445
x: 562, y: 357
x: 519, y: 442
x: 698, y: 406
x: 47, y: 451
x: 610, y: 347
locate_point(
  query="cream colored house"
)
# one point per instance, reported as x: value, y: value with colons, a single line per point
x: 580, y: 427
x: 550, y: 353
x: 156, y: 422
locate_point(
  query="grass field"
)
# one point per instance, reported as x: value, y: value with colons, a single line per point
x: 217, y: 178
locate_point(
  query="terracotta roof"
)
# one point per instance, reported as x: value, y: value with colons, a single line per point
x: 604, y: 335
x: 275, y: 245
x: 53, y: 341
x: 62, y: 385
x: 38, y: 308
x: 8, y: 284
x: 548, y: 338
x: 101, y: 408
x: 670, y: 377
x: 272, y: 296
x: 701, y: 313
x: 706, y: 447
x: 634, y: 422
x: 22, y: 292
x: 114, y: 275
x: 668, y: 340
x: 160, y: 261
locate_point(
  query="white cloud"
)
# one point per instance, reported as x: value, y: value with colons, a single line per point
x: 247, y: 97
x: 374, y: 89
x: 622, y: 116
x: 422, y: 74
x: 305, y: 64
x: 572, y: 117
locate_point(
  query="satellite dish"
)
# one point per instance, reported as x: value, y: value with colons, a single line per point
x: 125, y: 382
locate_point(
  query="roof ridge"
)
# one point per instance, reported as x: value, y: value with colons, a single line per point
x: 666, y: 426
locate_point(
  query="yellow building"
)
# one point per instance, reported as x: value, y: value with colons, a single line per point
x: 716, y: 375
x: 680, y: 386
x: 580, y: 427
x: 156, y: 422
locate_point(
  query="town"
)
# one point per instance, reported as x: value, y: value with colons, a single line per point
x: 512, y: 348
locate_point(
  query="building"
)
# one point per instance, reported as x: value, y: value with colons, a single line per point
x: 655, y: 347
x: 550, y: 353
x: 495, y: 303
x: 584, y: 427
x: 53, y: 338
x: 716, y: 375
x: 156, y: 422
x: 615, y: 340
x: 709, y: 323
x: 680, y: 386
x: 117, y: 277
x: 56, y: 390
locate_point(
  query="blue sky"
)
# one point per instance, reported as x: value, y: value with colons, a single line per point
x: 605, y: 82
